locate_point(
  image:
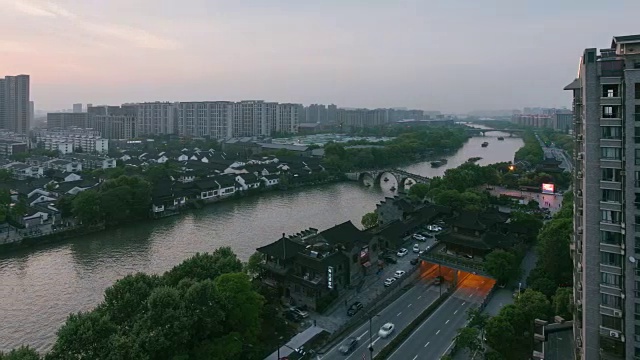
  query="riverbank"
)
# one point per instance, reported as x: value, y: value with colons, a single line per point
x: 55, y: 236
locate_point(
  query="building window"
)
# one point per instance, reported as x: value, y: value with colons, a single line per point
x: 609, y: 195
x: 610, y: 112
x: 354, y: 258
x: 611, y: 301
x: 637, y: 91
x: 610, y: 90
x: 611, y: 153
x: 611, y: 132
x: 610, y: 259
x: 611, y: 322
x: 609, y: 174
x: 610, y: 279
x: 611, y: 238
x: 611, y: 217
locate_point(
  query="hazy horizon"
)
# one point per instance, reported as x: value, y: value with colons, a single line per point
x: 449, y: 56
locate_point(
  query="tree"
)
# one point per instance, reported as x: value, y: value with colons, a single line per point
x: 563, y: 303
x: 477, y: 318
x: 419, y: 191
x: 205, y: 266
x: 86, y: 207
x: 502, y: 265
x: 65, y: 205
x: 528, y: 222
x: 127, y: 297
x: 84, y: 336
x: 5, y: 175
x: 369, y: 220
x: 467, y: 338
x: 21, y: 353
x: 500, y: 335
x: 253, y: 267
x: 533, y: 304
x: 553, y: 250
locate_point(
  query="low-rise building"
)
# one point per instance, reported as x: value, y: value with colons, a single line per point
x: 23, y: 171
x: 12, y: 147
x: 311, y: 268
x: 92, y: 162
x: 64, y: 165
x: 72, y: 140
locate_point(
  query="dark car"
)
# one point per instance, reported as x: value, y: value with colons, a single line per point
x: 415, y: 261
x: 349, y: 345
x: 390, y: 259
x: 354, y: 308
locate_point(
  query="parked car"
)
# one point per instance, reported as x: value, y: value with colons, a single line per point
x: 415, y: 261
x: 390, y: 259
x: 416, y: 248
x: 291, y: 316
x: 389, y: 281
x: 399, y: 273
x: 419, y: 237
x: 298, y: 311
x: 354, y: 308
x: 349, y: 345
x: 402, y: 252
x: 386, y: 330
x: 434, y: 228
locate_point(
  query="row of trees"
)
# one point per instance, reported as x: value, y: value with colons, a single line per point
x: 531, y: 151
x: 204, y: 308
x: 406, y: 147
x: 114, y: 201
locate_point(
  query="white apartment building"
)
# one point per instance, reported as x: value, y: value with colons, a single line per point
x: 206, y: 118
x: 69, y: 141
x: 155, y: 118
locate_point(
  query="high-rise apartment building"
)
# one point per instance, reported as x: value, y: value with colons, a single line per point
x: 206, y: 118
x: 156, y: 118
x: 606, y: 239
x: 114, y: 122
x: 287, y: 118
x: 77, y: 108
x: 14, y: 104
x: 65, y: 120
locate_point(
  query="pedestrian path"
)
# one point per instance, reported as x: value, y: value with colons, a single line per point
x: 296, y: 342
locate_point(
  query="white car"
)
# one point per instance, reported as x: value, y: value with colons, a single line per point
x: 434, y: 228
x: 386, y: 330
x: 419, y: 237
x: 299, y: 312
x: 389, y: 281
x: 399, y: 274
x: 416, y: 248
x: 402, y: 252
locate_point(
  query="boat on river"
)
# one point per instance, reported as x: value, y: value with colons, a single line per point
x: 393, y: 188
x: 438, y: 163
x: 386, y: 179
x: 474, y: 159
x: 500, y: 138
x: 485, y: 144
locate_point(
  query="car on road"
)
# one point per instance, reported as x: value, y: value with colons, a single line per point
x: 399, y: 273
x: 349, y: 345
x: 434, y: 228
x: 402, y: 252
x: 298, y: 311
x: 415, y: 261
x: 386, y: 330
x: 389, y: 281
x: 419, y: 237
x: 416, y: 248
x: 390, y: 259
x: 354, y: 308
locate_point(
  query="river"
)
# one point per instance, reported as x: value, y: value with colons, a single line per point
x: 40, y: 286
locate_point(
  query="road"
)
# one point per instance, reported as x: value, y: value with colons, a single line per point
x: 434, y: 337
x: 401, y: 312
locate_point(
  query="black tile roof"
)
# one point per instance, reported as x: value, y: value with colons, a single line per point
x: 284, y: 248
x: 346, y: 234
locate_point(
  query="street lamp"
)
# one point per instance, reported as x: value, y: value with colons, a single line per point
x: 371, y: 341
x: 279, y: 341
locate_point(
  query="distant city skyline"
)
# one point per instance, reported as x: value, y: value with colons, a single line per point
x: 453, y: 57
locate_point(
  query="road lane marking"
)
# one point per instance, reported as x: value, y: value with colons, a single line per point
x: 470, y: 295
x: 415, y: 357
x: 447, y: 322
x: 464, y: 302
x: 409, y: 305
x: 374, y: 341
x: 437, y: 332
x: 455, y: 312
x: 420, y: 297
x: 427, y: 344
x: 449, y: 347
x: 363, y: 334
x: 399, y: 313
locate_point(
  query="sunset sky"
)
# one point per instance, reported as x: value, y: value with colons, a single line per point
x: 453, y: 55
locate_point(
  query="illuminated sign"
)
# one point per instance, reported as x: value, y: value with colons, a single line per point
x: 330, y: 277
x: 548, y: 188
x: 364, y: 254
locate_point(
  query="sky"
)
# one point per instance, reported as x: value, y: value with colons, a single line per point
x: 449, y: 55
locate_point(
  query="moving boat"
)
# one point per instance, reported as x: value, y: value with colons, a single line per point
x: 500, y: 138
x: 485, y: 144
x: 438, y: 163
x: 474, y: 159
x: 393, y: 188
x: 386, y: 179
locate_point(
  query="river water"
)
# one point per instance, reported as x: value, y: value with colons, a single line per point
x: 40, y: 286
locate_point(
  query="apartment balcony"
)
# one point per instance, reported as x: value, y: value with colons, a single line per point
x: 611, y: 121
x: 611, y: 142
x: 312, y: 280
x: 610, y: 205
x: 611, y: 163
x: 636, y: 116
x: 610, y: 100
x: 611, y: 185
x: 275, y: 268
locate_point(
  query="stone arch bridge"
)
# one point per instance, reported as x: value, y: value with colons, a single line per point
x: 401, y: 176
x: 483, y: 132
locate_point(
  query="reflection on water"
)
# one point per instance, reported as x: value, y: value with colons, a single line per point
x: 41, y: 286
